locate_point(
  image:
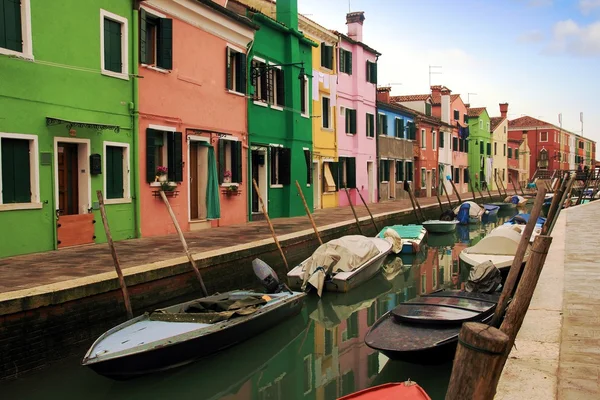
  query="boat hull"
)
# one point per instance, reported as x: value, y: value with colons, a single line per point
x: 173, y: 355
x: 366, y: 273
x: 440, y: 227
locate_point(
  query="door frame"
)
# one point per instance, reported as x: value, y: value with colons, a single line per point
x: 264, y: 178
x: 371, y: 181
x: 83, y: 163
x: 317, y: 187
x: 191, y: 138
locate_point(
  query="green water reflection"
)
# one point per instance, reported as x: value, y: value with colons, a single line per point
x: 320, y: 354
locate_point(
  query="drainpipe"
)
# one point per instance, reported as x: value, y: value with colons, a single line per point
x: 250, y: 186
x: 135, y: 121
x: 376, y: 166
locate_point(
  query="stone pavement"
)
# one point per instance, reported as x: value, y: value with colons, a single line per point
x: 557, y: 354
x: 34, y: 270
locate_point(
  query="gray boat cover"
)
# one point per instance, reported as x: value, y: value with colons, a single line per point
x: 339, y: 255
x: 212, y: 309
x: 484, y: 278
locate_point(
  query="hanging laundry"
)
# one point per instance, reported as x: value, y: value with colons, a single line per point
x: 315, y: 85
x: 333, y: 89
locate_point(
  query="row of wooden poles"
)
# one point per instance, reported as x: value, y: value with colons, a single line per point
x: 483, y: 349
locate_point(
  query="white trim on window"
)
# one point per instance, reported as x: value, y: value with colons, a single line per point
x: 163, y: 128
x: 423, y: 139
x: 124, y: 74
x: 126, y: 174
x: 306, y: 99
x: 423, y: 178
x: 34, y: 173
x: 434, y: 140
x: 545, y: 141
x: 26, y: 36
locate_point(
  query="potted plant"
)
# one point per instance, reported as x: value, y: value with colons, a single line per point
x: 232, y: 190
x: 165, y: 186
x: 227, y: 177
x: 161, y: 174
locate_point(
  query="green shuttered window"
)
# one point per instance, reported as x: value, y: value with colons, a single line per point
x: 345, y: 61
x: 370, y: 125
x: 326, y: 56
x: 230, y: 159
x: 345, y: 176
x: 156, y: 40
x: 16, y: 169
x: 399, y: 171
x: 350, y: 121
x: 442, y: 135
x: 115, y: 172
x: 281, y: 161
x: 384, y: 170
x: 236, y: 70
x: 10, y: 25
x: 371, y: 72
x: 409, y: 171
x: 155, y: 151
x: 399, y: 131
x: 112, y: 46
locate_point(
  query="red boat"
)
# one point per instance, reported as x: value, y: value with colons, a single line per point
x: 390, y: 391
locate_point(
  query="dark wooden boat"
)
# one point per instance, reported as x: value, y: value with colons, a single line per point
x: 425, y: 329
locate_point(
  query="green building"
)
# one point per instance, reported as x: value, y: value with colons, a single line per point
x: 66, y: 122
x: 480, y: 147
x: 279, y: 112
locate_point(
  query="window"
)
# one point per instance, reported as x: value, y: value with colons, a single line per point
x: 465, y: 118
x: 488, y: 149
x: 371, y: 72
x: 503, y: 174
x: 345, y: 61
x: 504, y: 153
x: 326, y: 56
x: 461, y: 145
x: 329, y: 181
x: 423, y: 178
x: 433, y: 181
x: 544, y: 137
x: 457, y: 175
x: 481, y: 147
x: 488, y: 126
x: 304, y: 97
x: 412, y: 130
x: 442, y: 136
x: 278, y: 90
x: 516, y: 154
x: 510, y: 152
x: 465, y: 175
x: 399, y: 171
x: 384, y: 171
x: 372, y: 364
x: 230, y: 160
x: 409, y: 171
x: 280, y: 165
x: 370, y: 125
x: 350, y: 121
x: 308, y: 161
x: 433, y: 141
x: 156, y: 44
x: 116, y: 170
x: 19, y: 169
x: 260, y: 82
x: 454, y: 143
x: 456, y: 115
x: 236, y: 70
x: 480, y: 124
x: 325, y: 112
x: 382, y: 124
x: 495, y: 148
x: 157, y: 154
x: 428, y: 109
x: 423, y: 139
x: 466, y: 145
x: 399, y: 128
x: 15, y: 28
x: 346, y: 173
x: 114, y: 43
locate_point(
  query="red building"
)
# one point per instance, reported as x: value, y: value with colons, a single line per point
x: 512, y: 162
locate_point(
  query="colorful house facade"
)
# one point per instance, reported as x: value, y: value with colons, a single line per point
x: 499, y: 136
x: 356, y: 101
x: 193, y: 126
x: 396, y: 134
x: 279, y: 112
x: 66, y: 124
x: 481, y: 170
x: 513, y: 162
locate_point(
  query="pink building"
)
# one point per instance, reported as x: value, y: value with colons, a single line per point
x: 356, y: 98
x: 193, y: 115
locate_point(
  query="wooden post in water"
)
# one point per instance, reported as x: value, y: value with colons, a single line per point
x: 497, y: 184
x: 587, y: 182
x: 266, y: 214
x: 556, y: 204
x: 408, y: 189
x: 369, y: 211
x: 472, y: 191
x: 353, y: 211
x: 515, y: 268
x: 183, y: 242
x: 520, y: 187
x: 514, y: 187
x: 419, y: 207
x: 487, y: 187
x: 479, y: 354
x: 502, y: 186
x: 113, y: 253
x: 312, y: 221
x: 547, y: 230
x: 447, y: 195
x: 439, y: 201
x: 455, y: 191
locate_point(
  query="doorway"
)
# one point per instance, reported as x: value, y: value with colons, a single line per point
x: 317, y: 187
x: 75, y: 221
x: 371, y: 181
x: 259, y: 173
x: 198, y: 161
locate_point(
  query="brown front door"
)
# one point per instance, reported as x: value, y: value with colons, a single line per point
x: 68, y: 179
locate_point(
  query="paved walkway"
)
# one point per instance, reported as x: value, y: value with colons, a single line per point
x: 34, y: 270
x: 557, y: 354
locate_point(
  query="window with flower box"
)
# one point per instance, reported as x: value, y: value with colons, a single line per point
x: 230, y: 161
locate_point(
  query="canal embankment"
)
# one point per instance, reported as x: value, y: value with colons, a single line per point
x: 556, y: 352
x: 52, y: 303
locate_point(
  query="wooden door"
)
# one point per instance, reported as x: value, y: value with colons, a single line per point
x: 193, y: 180
x: 68, y: 179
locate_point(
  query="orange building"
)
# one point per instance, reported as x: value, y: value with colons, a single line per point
x: 192, y: 115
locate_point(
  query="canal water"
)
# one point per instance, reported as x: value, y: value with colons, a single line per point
x: 319, y: 354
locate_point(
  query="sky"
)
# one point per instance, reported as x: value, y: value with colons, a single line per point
x: 540, y: 56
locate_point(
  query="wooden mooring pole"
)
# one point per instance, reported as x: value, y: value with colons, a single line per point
x: 183, y: 242
x: 479, y: 191
x: 439, y: 201
x: 587, y: 183
x: 369, y: 211
x: 487, y: 187
x: 266, y: 214
x: 353, y: 211
x: 445, y: 190
x: 113, y: 253
x: 312, y: 221
x: 520, y: 187
x: 408, y: 189
x: 513, y: 184
x: 553, y: 215
x: 455, y: 191
x: 472, y: 191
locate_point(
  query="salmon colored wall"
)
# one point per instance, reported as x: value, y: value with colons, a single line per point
x: 192, y: 95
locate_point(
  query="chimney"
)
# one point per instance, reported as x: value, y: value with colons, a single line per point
x: 354, y: 20
x: 287, y: 13
x: 383, y: 94
x: 445, y: 101
x: 503, y: 110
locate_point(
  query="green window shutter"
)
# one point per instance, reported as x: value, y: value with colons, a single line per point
x: 410, y: 171
x: 285, y: 166
x: 342, y: 60
x: 374, y: 73
x: 237, y: 156
x: 401, y: 168
x: 229, y: 67
x: 143, y: 36
x: 114, y: 172
x: 401, y: 128
x: 412, y: 131
x: 427, y: 109
x: 334, y: 168
x: 165, y: 43
x: 16, y: 184
x: 353, y: 121
x: 454, y: 143
x: 442, y: 134
x: 280, y: 83
x: 372, y: 129
x: 516, y: 154
x: 349, y: 63
x: 323, y: 51
x: 10, y: 25
x: 481, y: 147
x: 241, y: 61
x: 351, y: 172
x: 368, y: 71
x: 150, y: 150
x: 308, y: 161
x: 221, y: 160
x: 385, y: 125
x: 112, y: 46
x: 178, y: 151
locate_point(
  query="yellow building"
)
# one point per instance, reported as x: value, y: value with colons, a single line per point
x: 324, y: 118
x: 499, y: 131
x: 524, y: 155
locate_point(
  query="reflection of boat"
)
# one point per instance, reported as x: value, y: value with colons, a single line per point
x: 446, y: 240
x: 341, y: 264
x: 439, y: 226
x: 491, y: 209
x: 180, y: 334
x: 425, y: 330
x: 408, y: 390
x: 411, y: 235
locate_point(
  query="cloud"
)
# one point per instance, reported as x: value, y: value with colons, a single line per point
x: 540, y: 3
x: 571, y: 38
x: 534, y: 36
x: 587, y: 6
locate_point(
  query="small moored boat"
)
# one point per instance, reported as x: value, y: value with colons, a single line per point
x: 469, y: 212
x: 523, y: 218
x: 410, y: 236
x: 439, y: 226
x: 517, y: 200
x: 341, y: 264
x: 390, y: 391
x: 490, y: 209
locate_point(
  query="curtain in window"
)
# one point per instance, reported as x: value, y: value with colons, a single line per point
x: 213, y: 204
